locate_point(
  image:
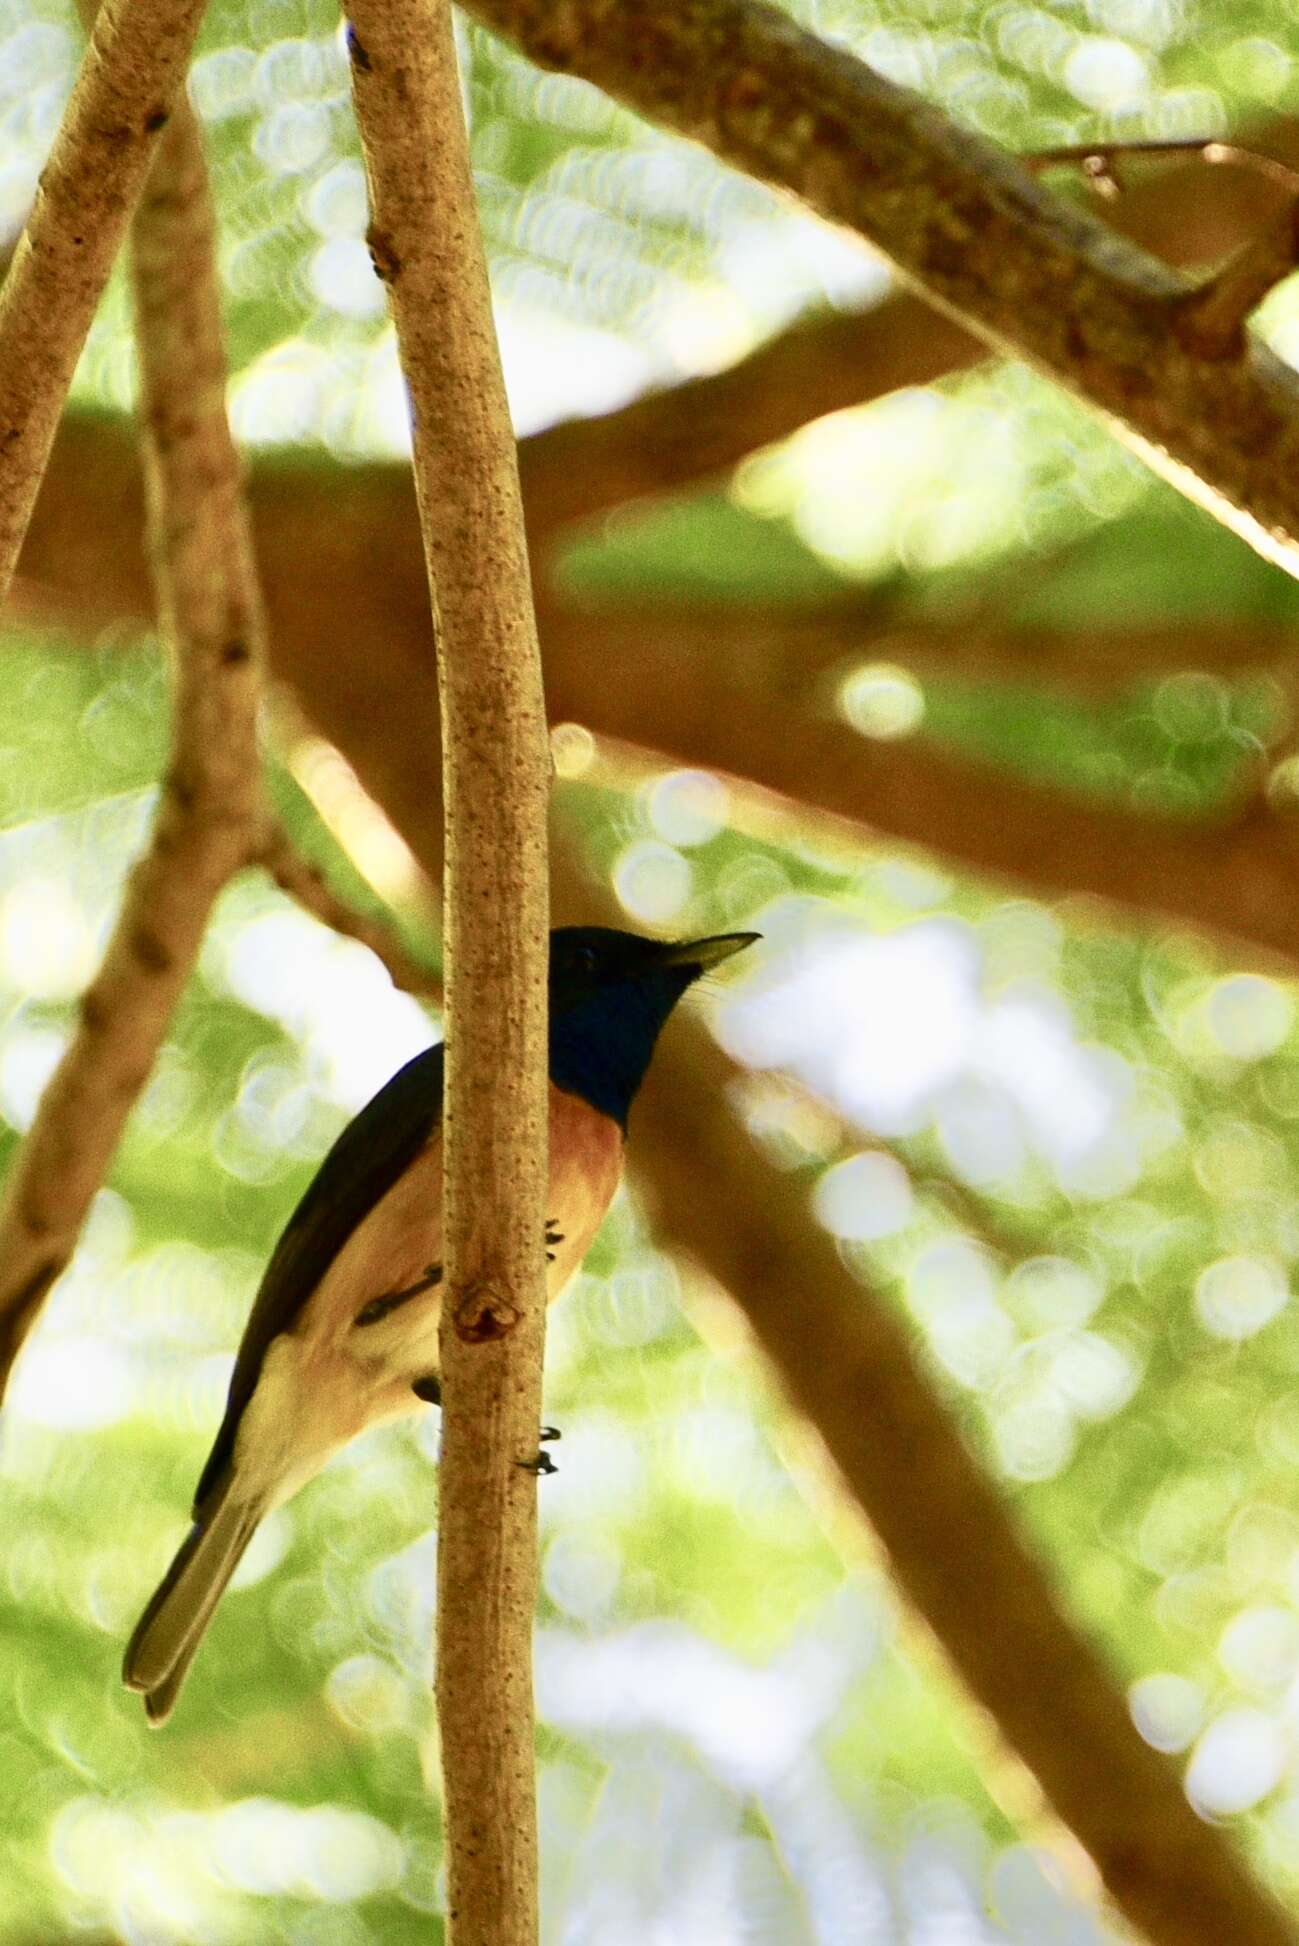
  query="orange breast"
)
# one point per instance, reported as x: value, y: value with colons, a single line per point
x: 585, y: 1164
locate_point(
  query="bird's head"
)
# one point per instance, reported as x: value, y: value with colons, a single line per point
x: 610, y: 993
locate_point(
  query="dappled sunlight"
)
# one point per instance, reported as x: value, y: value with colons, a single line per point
x: 1057, y: 1144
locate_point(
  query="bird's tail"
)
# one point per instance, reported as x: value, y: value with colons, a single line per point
x: 172, y: 1626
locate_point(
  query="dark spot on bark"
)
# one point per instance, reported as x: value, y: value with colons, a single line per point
x: 483, y: 1314
x: 234, y: 653
x: 387, y: 264
x: 360, y: 59
x: 93, y: 1012
x: 156, y: 118
x: 150, y: 951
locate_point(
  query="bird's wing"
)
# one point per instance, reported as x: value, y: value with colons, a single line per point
x: 364, y: 1163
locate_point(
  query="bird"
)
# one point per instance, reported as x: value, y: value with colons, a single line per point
x: 343, y: 1331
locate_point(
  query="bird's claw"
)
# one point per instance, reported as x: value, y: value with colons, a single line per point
x: 541, y: 1464
x: 553, y: 1236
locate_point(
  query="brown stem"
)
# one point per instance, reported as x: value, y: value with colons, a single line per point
x: 426, y: 245
x: 209, y: 814
x: 1097, y: 159
x: 774, y: 724
x: 121, y: 100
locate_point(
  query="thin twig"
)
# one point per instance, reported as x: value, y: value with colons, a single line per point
x: 209, y: 815
x: 1211, y: 318
x: 1097, y: 159
x: 96, y: 169
x: 304, y: 881
x: 425, y: 243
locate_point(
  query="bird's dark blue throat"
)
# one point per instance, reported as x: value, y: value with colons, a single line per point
x: 610, y: 994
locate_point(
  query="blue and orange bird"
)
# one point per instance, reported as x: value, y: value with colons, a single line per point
x: 343, y: 1333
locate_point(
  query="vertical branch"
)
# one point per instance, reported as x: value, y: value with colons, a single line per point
x: 123, y: 94
x: 211, y: 807
x: 425, y: 243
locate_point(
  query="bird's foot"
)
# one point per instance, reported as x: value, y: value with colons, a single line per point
x: 550, y: 1433
x: 541, y: 1464
x: 428, y: 1388
x: 554, y: 1238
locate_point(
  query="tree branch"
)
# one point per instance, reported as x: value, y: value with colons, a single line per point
x: 83, y: 531
x: 807, y: 647
x: 341, y: 561
x: 684, y: 433
x: 124, y: 91
x: 425, y: 243
x: 846, y: 1362
x: 208, y: 818
x: 1031, y: 275
x: 773, y: 724
x: 304, y: 881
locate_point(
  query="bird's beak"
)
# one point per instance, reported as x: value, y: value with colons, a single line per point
x: 705, y: 953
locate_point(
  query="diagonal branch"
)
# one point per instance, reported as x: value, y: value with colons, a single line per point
x: 300, y: 879
x: 123, y: 94
x: 846, y: 1362
x: 425, y: 242
x: 1028, y: 273
x: 210, y: 811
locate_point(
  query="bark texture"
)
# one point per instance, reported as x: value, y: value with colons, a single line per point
x: 88, y: 188
x: 426, y: 245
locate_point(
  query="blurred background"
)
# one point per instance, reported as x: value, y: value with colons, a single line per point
x: 1057, y: 1135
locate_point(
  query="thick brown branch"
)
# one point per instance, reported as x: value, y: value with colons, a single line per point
x: 496, y: 772
x: 785, y: 650
x: 774, y: 724
x: 846, y: 1362
x: 122, y: 98
x: 207, y: 819
x: 680, y: 697
x: 83, y: 533
x: 1030, y: 274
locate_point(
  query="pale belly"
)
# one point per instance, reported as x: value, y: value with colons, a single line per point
x: 330, y: 1377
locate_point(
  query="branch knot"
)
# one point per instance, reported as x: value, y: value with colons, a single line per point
x: 483, y: 1314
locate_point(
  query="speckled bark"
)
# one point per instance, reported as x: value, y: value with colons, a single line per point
x: 208, y: 818
x: 425, y: 243
x: 122, y: 98
x: 1029, y: 273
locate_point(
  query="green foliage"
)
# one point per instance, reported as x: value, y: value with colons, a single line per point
x: 743, y: 1735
